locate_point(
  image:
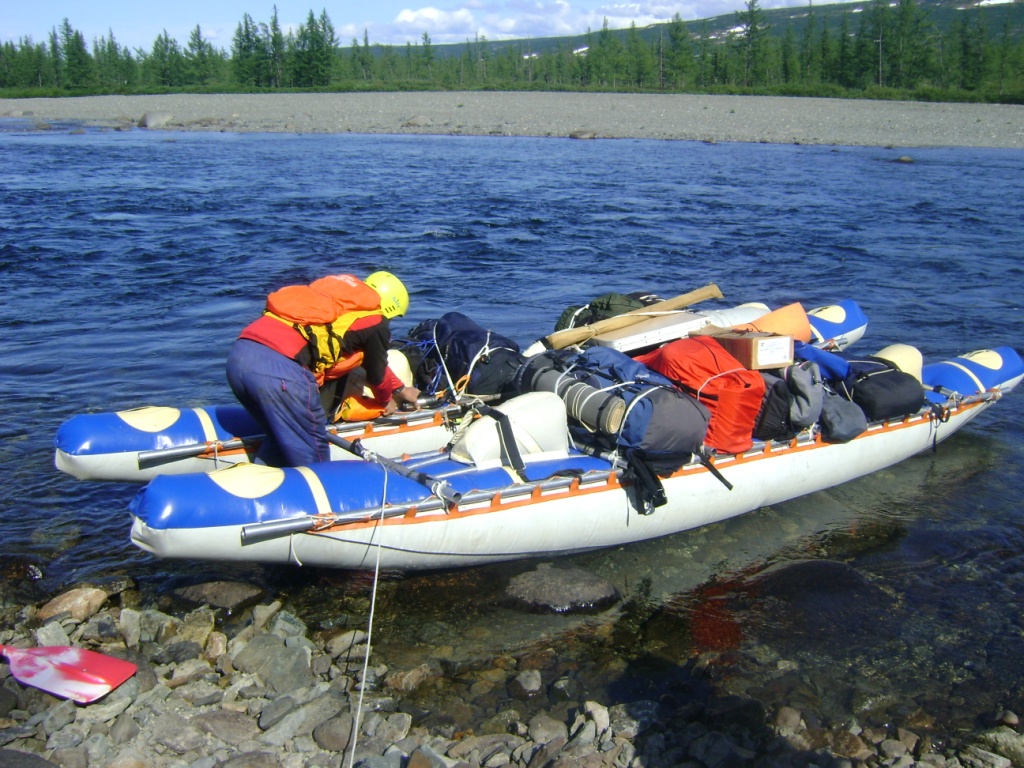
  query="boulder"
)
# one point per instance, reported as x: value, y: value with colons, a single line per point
x: 155, y: 119
x: 561, y: 590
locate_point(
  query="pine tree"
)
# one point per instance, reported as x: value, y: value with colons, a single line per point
x: 199, y: 58
x: 752, y: 43
x: 78, y: 65
x: 247, y: 53
x: 165, y: 65
x: 639, y: 64
x: 276, y: 48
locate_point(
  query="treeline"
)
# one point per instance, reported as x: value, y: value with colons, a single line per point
x: 895, y: 48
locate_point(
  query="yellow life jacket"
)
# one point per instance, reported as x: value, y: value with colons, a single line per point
x: 322, y: 312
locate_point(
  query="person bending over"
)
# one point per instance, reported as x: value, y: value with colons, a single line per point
x: 311, y: 337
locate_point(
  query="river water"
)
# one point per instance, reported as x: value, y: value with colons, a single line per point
x: 131, y: 260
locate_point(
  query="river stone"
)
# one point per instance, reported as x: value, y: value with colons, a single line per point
x: 230, y: 727
x: 419, y: 121
x: 283, y: 669
x: 8, y: 701
x: 176, y: 733
x: 335, y: 733
x: 197, y: 626
x: 252, y: 760
x: 1003, y: 741
x: 229, y: 595
x: 51, y: 633
x: 12, y: 758
x: 526, y: 685
x: 544, y: 728
x: 716, y: 750
x: 80, y: 603
x: 976, y: 757
x: 560, y: 590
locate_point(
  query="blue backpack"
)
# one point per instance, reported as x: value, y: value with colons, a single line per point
x: 663, y: 426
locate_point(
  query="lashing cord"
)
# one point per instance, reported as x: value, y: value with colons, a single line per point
x: 379, y: 530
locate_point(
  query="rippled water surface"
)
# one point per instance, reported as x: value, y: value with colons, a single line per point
x: 130, y: 261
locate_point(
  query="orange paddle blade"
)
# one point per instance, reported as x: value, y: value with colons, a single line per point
x: 72, y: 673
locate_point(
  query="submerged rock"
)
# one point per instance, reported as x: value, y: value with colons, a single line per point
x: 561, y: 590
x: 229, y: 595
x: 820, y: 597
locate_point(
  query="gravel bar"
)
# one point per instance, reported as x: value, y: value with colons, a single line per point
x: 759, y: 119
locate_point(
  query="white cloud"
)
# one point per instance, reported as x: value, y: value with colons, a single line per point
x: 526, y: 19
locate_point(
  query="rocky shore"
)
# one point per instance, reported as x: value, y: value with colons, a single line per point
x: 225, y: 683
x: 848, y: 122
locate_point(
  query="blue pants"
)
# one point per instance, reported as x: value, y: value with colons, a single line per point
x: 283, y: 397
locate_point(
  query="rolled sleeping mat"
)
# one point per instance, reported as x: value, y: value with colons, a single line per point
x: 598, y: 410
x: 744, y: 313
x: 973, y: 373
x: 843, y: 323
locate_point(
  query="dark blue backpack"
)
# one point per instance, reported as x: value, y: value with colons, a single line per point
x: 475, y: 360
x: 663, y: 426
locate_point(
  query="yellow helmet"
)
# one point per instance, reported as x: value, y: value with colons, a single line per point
x: 394, y: 298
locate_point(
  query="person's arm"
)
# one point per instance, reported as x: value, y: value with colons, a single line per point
x: 372, y: 335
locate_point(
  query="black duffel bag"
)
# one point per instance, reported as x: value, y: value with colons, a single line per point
x: 881, y: 391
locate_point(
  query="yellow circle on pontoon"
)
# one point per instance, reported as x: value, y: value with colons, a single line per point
x: 905, y: 357
x: 833, y: 313
x: 151, y: 418
x: 248, y: 481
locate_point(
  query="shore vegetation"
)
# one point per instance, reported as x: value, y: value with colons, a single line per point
x: 908, y: 50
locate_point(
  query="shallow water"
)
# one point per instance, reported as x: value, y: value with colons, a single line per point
x: 131, y: 260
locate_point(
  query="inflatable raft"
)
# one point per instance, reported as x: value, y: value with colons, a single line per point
x: 139, y: 444
x: 467, y: 505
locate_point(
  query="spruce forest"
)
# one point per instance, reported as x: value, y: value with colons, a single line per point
x: 908, y: 49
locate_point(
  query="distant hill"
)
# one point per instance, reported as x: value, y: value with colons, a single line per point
x: 942, y: 13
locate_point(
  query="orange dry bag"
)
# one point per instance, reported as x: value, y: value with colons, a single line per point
x: 702, y: 367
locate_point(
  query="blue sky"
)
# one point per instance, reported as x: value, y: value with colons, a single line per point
x: 137, y: 24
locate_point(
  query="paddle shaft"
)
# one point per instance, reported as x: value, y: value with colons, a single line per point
x: 439, y: 488
x: 158, y: 456
x: 570, y: 336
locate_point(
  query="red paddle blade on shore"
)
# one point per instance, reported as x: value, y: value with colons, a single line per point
x: 72, y: 673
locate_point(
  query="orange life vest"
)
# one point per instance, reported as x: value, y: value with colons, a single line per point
x: 321, y: 313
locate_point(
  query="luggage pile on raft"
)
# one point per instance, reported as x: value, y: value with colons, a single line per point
x: 736, y: 377
x: 650, y: 419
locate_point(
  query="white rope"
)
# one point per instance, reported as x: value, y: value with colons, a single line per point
x: 444, y: 366
x: 378, y: 529
x: 485, y: 349
x: 716, y: 376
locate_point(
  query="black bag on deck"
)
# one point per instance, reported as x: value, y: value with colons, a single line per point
x: 881, y: 391
x: 772, y: 421
x: 792, y: 401
x: 488, y: 359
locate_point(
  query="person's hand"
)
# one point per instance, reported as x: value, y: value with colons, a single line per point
x: 406, y: 395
